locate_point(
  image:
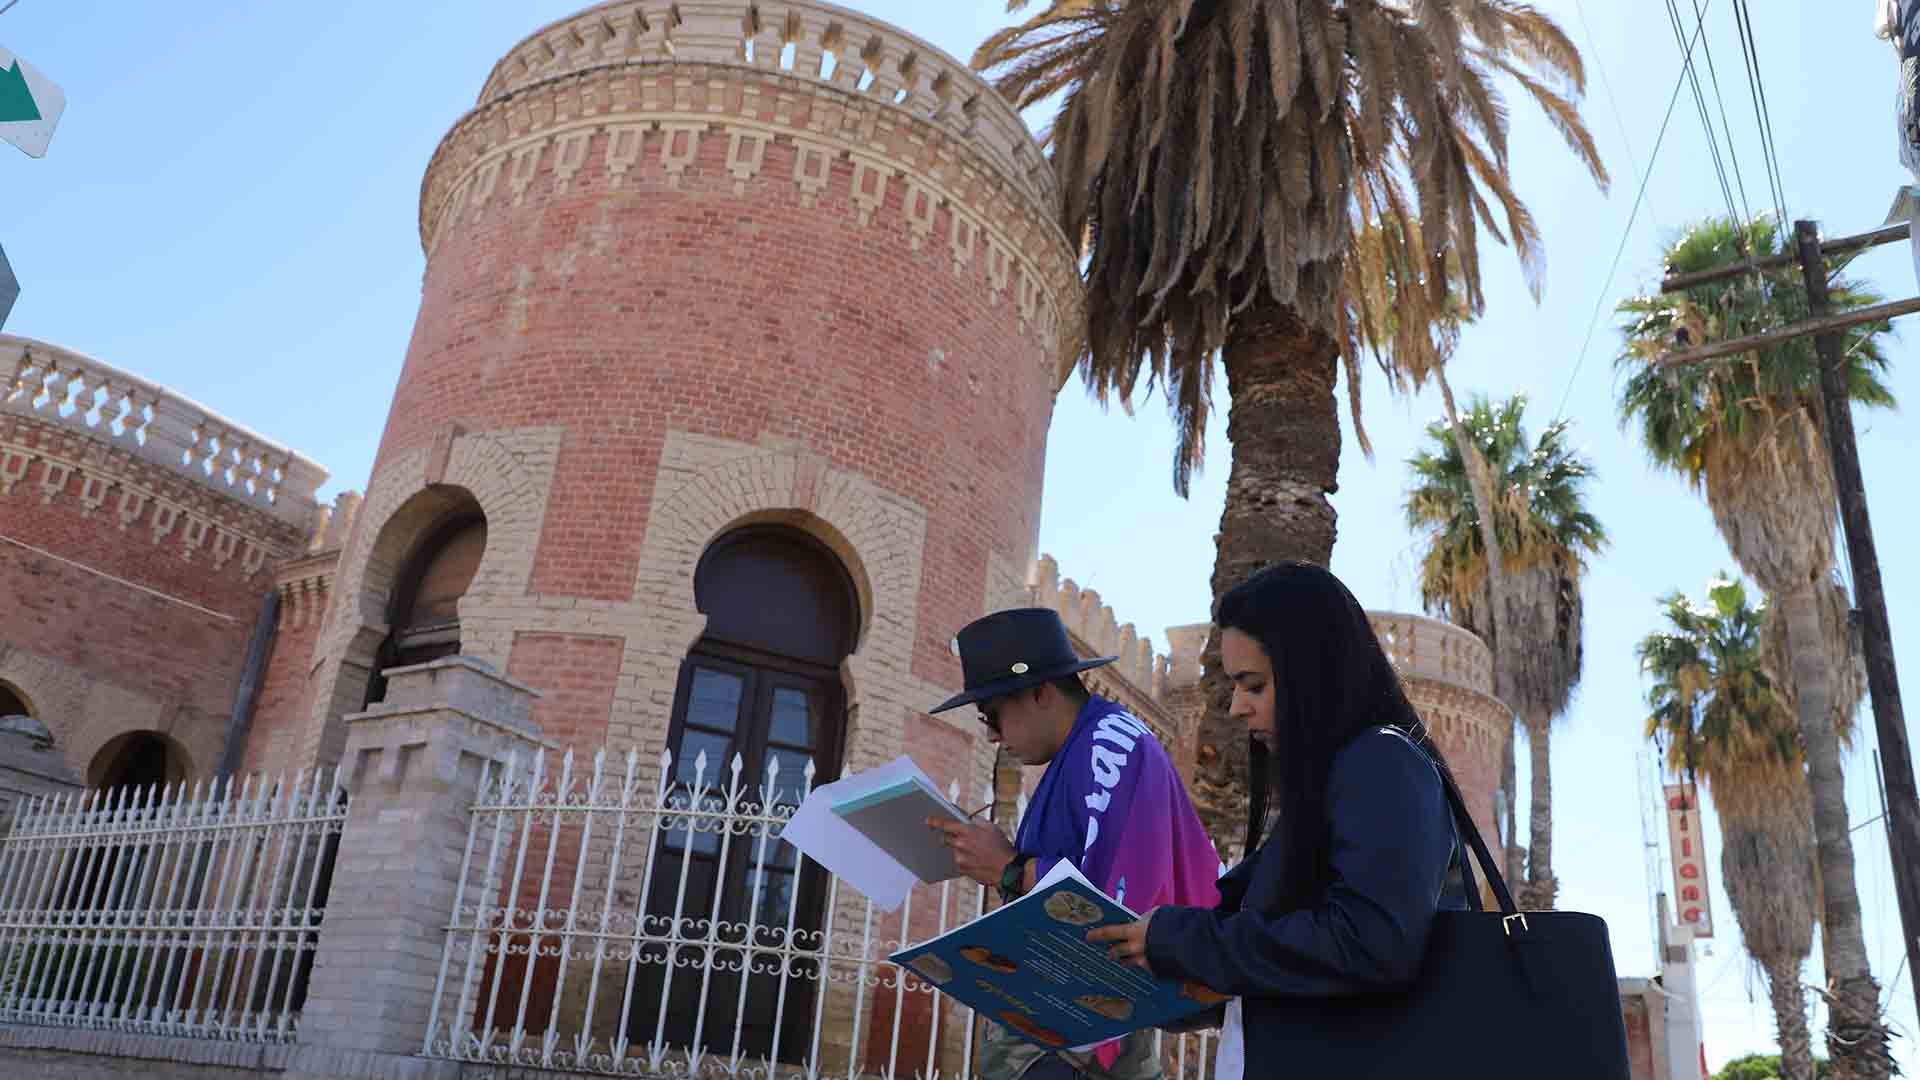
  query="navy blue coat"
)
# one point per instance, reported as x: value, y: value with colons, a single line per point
x: 1391, y: 845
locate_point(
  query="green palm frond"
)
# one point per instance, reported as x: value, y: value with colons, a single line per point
x: 1545, y: 531
x: 1712, y: 707
x: 1219, y: 155
x: 1692, y: 417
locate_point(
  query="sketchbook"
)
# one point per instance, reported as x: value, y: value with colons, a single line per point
x: 1028, y: 966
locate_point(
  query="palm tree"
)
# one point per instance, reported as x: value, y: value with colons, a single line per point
x: 1748, y: 431
x: 1720, y: 717
x: 1216, y: 157
x: 1545, y: 532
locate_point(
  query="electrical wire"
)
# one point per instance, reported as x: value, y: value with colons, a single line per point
x: 1692, y: 78
x: 1750, y: 46
x: 1600, y: 301
x: 1733, y: 156
x: 1613, y: 103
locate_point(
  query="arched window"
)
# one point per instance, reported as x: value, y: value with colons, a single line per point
x: 423, y: 615
x: 762, y: 683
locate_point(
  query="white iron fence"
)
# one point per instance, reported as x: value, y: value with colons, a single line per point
x: 619, y: 920
x: 169, y: 911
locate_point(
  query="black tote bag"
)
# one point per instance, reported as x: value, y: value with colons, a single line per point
x: 1501, y: 994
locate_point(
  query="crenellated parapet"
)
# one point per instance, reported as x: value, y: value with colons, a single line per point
x: 1095, y: 624
x: 855, y: 54
x: 306, y: 583
x: 1427, y: 648
x: 773, y: 101
x: 87, y: 403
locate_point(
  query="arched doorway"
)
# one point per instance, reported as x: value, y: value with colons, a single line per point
x: 13, y: 702
x: 763, y: 683
x: 423, y: 612
x: 137, y: 759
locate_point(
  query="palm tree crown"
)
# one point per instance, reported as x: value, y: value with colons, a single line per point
x: 1218, y: 155
x: 1747, y: 430
x: 1542, y: 522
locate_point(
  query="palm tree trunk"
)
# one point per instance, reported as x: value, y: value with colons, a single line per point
x: 1542, y: 887
x: 1480, y: 477
x: 1284, y: 428
x: 1856, y: 1038
x: 1790, y: 1016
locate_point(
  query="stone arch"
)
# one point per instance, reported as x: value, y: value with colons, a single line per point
x: 505, y: 476
x: 84, y: 712
x: 15, y: 702
x: 139, y: 758
x: 878, y: 537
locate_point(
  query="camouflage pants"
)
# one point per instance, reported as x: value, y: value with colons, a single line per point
x: 1003, y: 1057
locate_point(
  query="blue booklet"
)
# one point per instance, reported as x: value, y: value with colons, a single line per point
x: 1029, y: 967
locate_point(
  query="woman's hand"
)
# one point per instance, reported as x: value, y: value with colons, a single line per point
x: 1129, y: 940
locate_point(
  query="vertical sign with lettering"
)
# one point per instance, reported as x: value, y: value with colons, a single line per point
x: 1689, y: 859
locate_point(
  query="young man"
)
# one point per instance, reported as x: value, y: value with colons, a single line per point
x: 1110, y: 801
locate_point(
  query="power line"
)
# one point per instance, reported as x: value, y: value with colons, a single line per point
x: 1732, y: 155
x: 1770, y: 147
x: 1613, y: 103
x: 9, y: 7
x: 1660, y: 140
x: 1692, y: 75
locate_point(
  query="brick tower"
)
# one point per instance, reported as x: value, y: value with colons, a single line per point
x: 772, y: 274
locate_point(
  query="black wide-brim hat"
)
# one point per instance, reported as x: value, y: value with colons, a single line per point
x: 1014, y: 650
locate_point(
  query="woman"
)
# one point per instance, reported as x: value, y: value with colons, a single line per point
x: 1340, y: 898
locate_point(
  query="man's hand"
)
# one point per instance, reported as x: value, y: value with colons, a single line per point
x: 981, y: 851
x: 1129, y: 940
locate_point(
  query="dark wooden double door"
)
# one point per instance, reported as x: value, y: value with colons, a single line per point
x: 770, y: 712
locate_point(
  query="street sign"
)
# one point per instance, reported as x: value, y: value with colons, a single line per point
x: 9, y: 289
x: 30, y: 105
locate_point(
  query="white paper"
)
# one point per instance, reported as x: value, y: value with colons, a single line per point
x: 823, y: 837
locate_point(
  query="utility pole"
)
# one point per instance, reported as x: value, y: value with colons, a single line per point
x: 1883, y: 682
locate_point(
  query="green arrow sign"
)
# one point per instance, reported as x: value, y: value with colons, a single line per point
x: 30, y: 105
x: 16, y: 100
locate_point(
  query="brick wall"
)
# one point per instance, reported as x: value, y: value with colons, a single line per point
x: 575, y: 674
x: 136, y: 613
x: 285, y: 690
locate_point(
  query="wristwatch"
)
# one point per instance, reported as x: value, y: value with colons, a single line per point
x: 1012, y: 877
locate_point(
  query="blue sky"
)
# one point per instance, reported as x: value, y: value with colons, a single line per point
x: 229, y: 207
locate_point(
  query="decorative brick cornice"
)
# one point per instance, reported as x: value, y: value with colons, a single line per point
x: 41, y: 458
x: 633, y: 109
x: 305, y: 585
x: 1481, y: 719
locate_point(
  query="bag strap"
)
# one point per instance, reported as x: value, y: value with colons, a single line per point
x: 1463, y: 825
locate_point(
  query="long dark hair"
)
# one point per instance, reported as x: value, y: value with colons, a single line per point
x: 1332, y: 681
